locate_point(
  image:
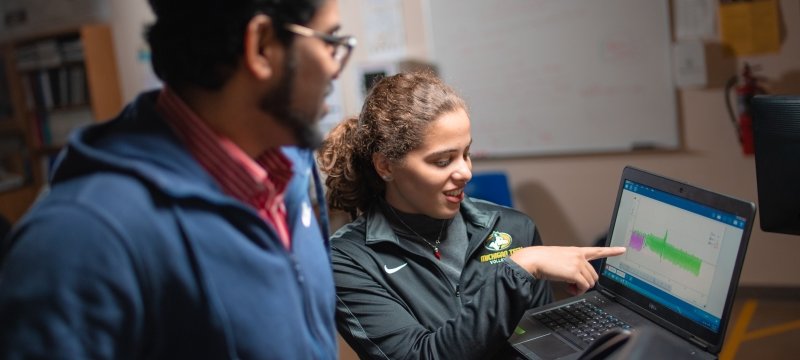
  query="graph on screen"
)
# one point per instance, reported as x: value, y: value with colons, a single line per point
x: 671, y: 248
x: 666, y: 251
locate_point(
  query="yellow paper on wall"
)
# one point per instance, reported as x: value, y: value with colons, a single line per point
x: 750, y: 27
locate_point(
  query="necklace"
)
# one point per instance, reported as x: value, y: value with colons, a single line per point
x: 435, y: 245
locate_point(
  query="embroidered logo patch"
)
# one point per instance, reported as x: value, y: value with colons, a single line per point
x: 499, y: 244
x: 497, y: 241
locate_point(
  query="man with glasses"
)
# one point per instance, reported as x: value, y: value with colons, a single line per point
x: 184, y: 228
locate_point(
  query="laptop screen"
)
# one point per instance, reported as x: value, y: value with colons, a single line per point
x: 681, y: 254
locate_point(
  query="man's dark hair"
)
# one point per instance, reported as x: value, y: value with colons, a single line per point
x: 199, y: 42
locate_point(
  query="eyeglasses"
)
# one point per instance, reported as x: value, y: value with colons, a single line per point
x: 342, y: 45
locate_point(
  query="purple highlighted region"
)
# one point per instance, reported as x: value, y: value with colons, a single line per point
x: 637, y: 241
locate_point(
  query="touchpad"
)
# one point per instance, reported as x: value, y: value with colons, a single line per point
x: 548, y: 347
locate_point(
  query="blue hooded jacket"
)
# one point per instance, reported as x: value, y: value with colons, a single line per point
x: 136, y: 252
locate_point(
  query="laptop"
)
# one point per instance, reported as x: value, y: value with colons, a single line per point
x: 685, y: 251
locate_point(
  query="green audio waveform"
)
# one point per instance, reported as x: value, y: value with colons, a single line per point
x: 667, y: 251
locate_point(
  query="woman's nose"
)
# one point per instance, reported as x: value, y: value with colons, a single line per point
x: 463, y: 174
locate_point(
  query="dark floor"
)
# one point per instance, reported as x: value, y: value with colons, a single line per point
x: 765, y: 325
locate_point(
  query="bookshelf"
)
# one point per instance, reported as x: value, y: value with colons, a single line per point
x: 52, y: 83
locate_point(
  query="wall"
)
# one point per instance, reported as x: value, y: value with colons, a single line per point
x: 22, y: 18
x: 580, y: 62
x: 128, y: 20
x: 571, y: 197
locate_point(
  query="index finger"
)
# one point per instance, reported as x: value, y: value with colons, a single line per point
x: 591, y: 253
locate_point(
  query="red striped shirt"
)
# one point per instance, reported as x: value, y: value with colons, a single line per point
x: 260, y: 183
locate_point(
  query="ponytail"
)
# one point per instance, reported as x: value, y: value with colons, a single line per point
x: 351, y: 180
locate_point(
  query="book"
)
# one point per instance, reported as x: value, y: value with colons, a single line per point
x: 77, y: 85
x: 12, y: 174
x: 38, y: 55
x: 71, y: 50
x: 10, y: 180
x: 40, y: 111
x: 46, y: 89
x: 6, y: 106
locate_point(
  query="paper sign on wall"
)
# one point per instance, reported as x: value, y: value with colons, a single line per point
x: 751, y: 27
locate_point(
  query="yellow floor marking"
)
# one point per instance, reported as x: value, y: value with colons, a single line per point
x: 739, y: 331
x: 773, y: 330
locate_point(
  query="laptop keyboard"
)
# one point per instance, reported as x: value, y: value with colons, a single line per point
x: 582, y: 322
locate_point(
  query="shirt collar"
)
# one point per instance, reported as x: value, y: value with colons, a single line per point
x: 237, y: 173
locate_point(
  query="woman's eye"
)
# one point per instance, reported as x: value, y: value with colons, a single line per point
x: 442, y: 163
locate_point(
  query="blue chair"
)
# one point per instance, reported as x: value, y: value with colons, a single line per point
x: 491, y: 186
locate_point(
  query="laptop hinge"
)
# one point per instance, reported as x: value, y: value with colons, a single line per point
x: 699, y: 343
x: 608, y: 294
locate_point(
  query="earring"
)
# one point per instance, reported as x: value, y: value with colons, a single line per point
x: 387, y: 178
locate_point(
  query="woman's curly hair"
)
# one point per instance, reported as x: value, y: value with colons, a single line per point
x: 393, y: 121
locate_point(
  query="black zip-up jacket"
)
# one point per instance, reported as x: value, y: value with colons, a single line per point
x: 395, y: 302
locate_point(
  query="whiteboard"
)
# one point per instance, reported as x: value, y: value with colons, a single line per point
x: 559, y: 76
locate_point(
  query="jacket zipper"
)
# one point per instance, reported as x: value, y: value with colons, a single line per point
x: 306, y: 301
x: 299, y: 277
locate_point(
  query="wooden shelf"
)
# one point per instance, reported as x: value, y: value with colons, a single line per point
x: 103, y: 100
x: 15, y: 202
x: 10, y: 125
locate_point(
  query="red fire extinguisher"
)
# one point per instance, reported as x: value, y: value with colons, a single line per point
x: 743, y: 122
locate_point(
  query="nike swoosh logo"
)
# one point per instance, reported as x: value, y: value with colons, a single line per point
x: 394, y: 269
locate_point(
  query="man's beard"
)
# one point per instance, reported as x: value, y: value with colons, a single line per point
x: 278, y: 103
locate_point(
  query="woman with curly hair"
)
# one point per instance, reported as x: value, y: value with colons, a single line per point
x: 424, y: 271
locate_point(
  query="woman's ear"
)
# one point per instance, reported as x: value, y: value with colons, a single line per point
x: 382, y: 166
x: 261, y: 46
